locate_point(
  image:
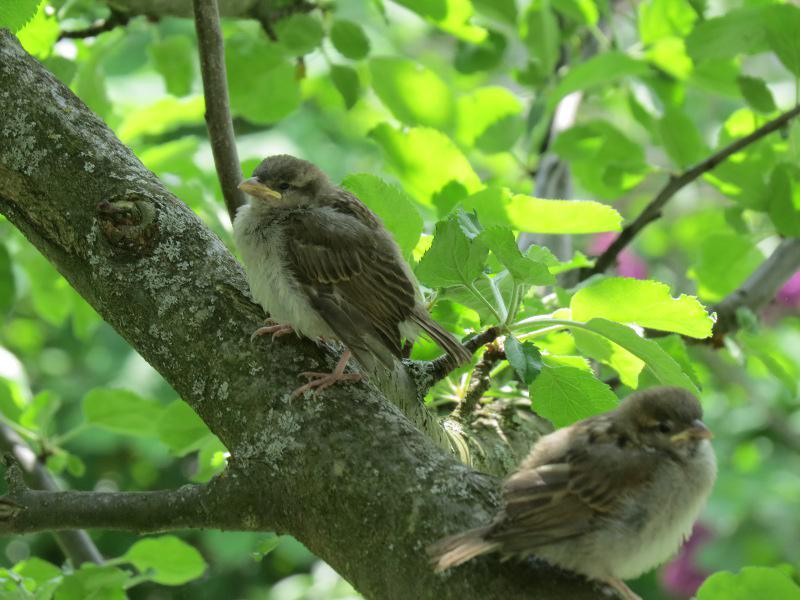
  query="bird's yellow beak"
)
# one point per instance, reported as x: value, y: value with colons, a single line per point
x: 257, y: 189
x: 698, y: 431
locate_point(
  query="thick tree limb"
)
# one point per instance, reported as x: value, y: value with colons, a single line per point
x: 114, y: 20
x: 218, y: 110
x: 76, y: 544
x: 347, y: 474
x: 677, y: 182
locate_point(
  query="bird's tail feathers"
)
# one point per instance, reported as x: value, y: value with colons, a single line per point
x: 458, y: 549
x: 442, y: 337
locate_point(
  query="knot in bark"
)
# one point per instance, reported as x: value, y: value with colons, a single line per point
x: 129, y: 223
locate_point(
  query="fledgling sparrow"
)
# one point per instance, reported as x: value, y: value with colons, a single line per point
x: 323, y: 265
x: 609, y: 497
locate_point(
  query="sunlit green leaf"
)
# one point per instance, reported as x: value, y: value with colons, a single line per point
x: 39, y: 412
x: 7, y: 282
x: 642, y: 302
x: 471, y: 58
x: 37, y: 569
x: 749, y: 583
x: 538, y: 215
x: 425, y: 159
x: 483, y: 109
x: 168, y: 560
x: 415, y: 94
x: 603, y: 350
x: 349, y: 39
x: 395, y: 208
x: 660, y: 364
x: 40, y: 34
x: 565, y: 395
x: 665, y: 18
x: 180, y: 428
x: 602, y: 69
x: 581, y: 11
x: 736, y: 32
x: 541, y: 34
x: 346, y: 81
x: 162, y: 116
x: 452, y: 16
x: 783, y: 202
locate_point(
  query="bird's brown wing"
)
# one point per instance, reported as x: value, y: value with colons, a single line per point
x: 353, y: 276
x: 570, y: 495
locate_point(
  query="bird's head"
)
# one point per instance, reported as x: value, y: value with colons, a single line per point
x: 285, y: 181
x: 665, y: 418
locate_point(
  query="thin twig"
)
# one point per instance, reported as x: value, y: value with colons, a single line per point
x: 114, y: 20
x: 677, y: 182
x: 442, y: 366
x: 480, y: 382
x: 76, y: 544
x: 218, y: 111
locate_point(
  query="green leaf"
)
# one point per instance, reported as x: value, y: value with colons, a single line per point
x: 267, y: 545
x: 299, y: 33
x: 173, y: 58
x: 15, y: 13
x: 93, y: 582
x: 597, y: 347
x: 210, y: 459
x: 736, y: 32
x: 725, y: 260
x: 663, y: 367
x: 500, y: 240
x: 425, y: 159
x: 643, y: 302
x: 502, y: 10
x: 669, y: 55
x: 783, y: 202
x: 171, y: 560
x: 541, y: 34
x: 680, y: 138
x: 748, y: 584
x: 160, y: 117
x: 346, y: 81
x: 660, y: 19
x: 37, y: 569
x: 782, y: 25
x: 452, y: 259
x: 180, y: 428
x: 391, y: 203
x: 581, y: 11
x: 472, y: 58
x: 38, y: 414
x: 265, y: 94
x: 414, y: 93
x: 565, y: 395
x: 90, y: 86
x: 121, y: 411
x: 8, y: 285
x: 601, y: 69
x: 484, y: 109
x: 452, y: 16
x: 40, y: 34
x: 674, y: 345
x: 349, y: 39
x: 756, y: 94
x: 538, y: 215
x: 525, y: 358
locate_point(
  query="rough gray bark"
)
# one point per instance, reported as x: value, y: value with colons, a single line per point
x: 347, y: 474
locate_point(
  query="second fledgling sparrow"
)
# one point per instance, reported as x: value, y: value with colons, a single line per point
x: 323, y: 265
x: 609, y: 497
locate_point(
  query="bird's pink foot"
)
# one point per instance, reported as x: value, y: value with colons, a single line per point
x: 320, y: 381
x: 276, y: 329
x: 621, y: 587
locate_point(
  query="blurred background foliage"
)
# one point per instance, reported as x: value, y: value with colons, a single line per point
x: 450, y: 102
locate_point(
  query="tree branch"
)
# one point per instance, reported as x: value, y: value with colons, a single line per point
x: 348, y: 475
x: 114, y: 20
x: 218, y: 110
x: 191, y: 506
x: 759, y: 289
x: 76, y: 545
x: 677, y: 182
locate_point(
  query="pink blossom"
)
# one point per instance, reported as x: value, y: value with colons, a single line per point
x: 789, y: 294
x: 682, y: 577
x: 629, y: 264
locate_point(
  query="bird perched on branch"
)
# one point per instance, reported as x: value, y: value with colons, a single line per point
x: 609, y: 497
x: 323, y: 265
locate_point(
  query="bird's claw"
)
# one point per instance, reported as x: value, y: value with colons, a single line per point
x: 320, y: 381
x: 276, y: 329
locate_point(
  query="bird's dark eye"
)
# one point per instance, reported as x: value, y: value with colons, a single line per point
x: 664, y: 427
x: 283, y: 186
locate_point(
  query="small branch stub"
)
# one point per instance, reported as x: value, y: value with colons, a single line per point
x: 129, y: 224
